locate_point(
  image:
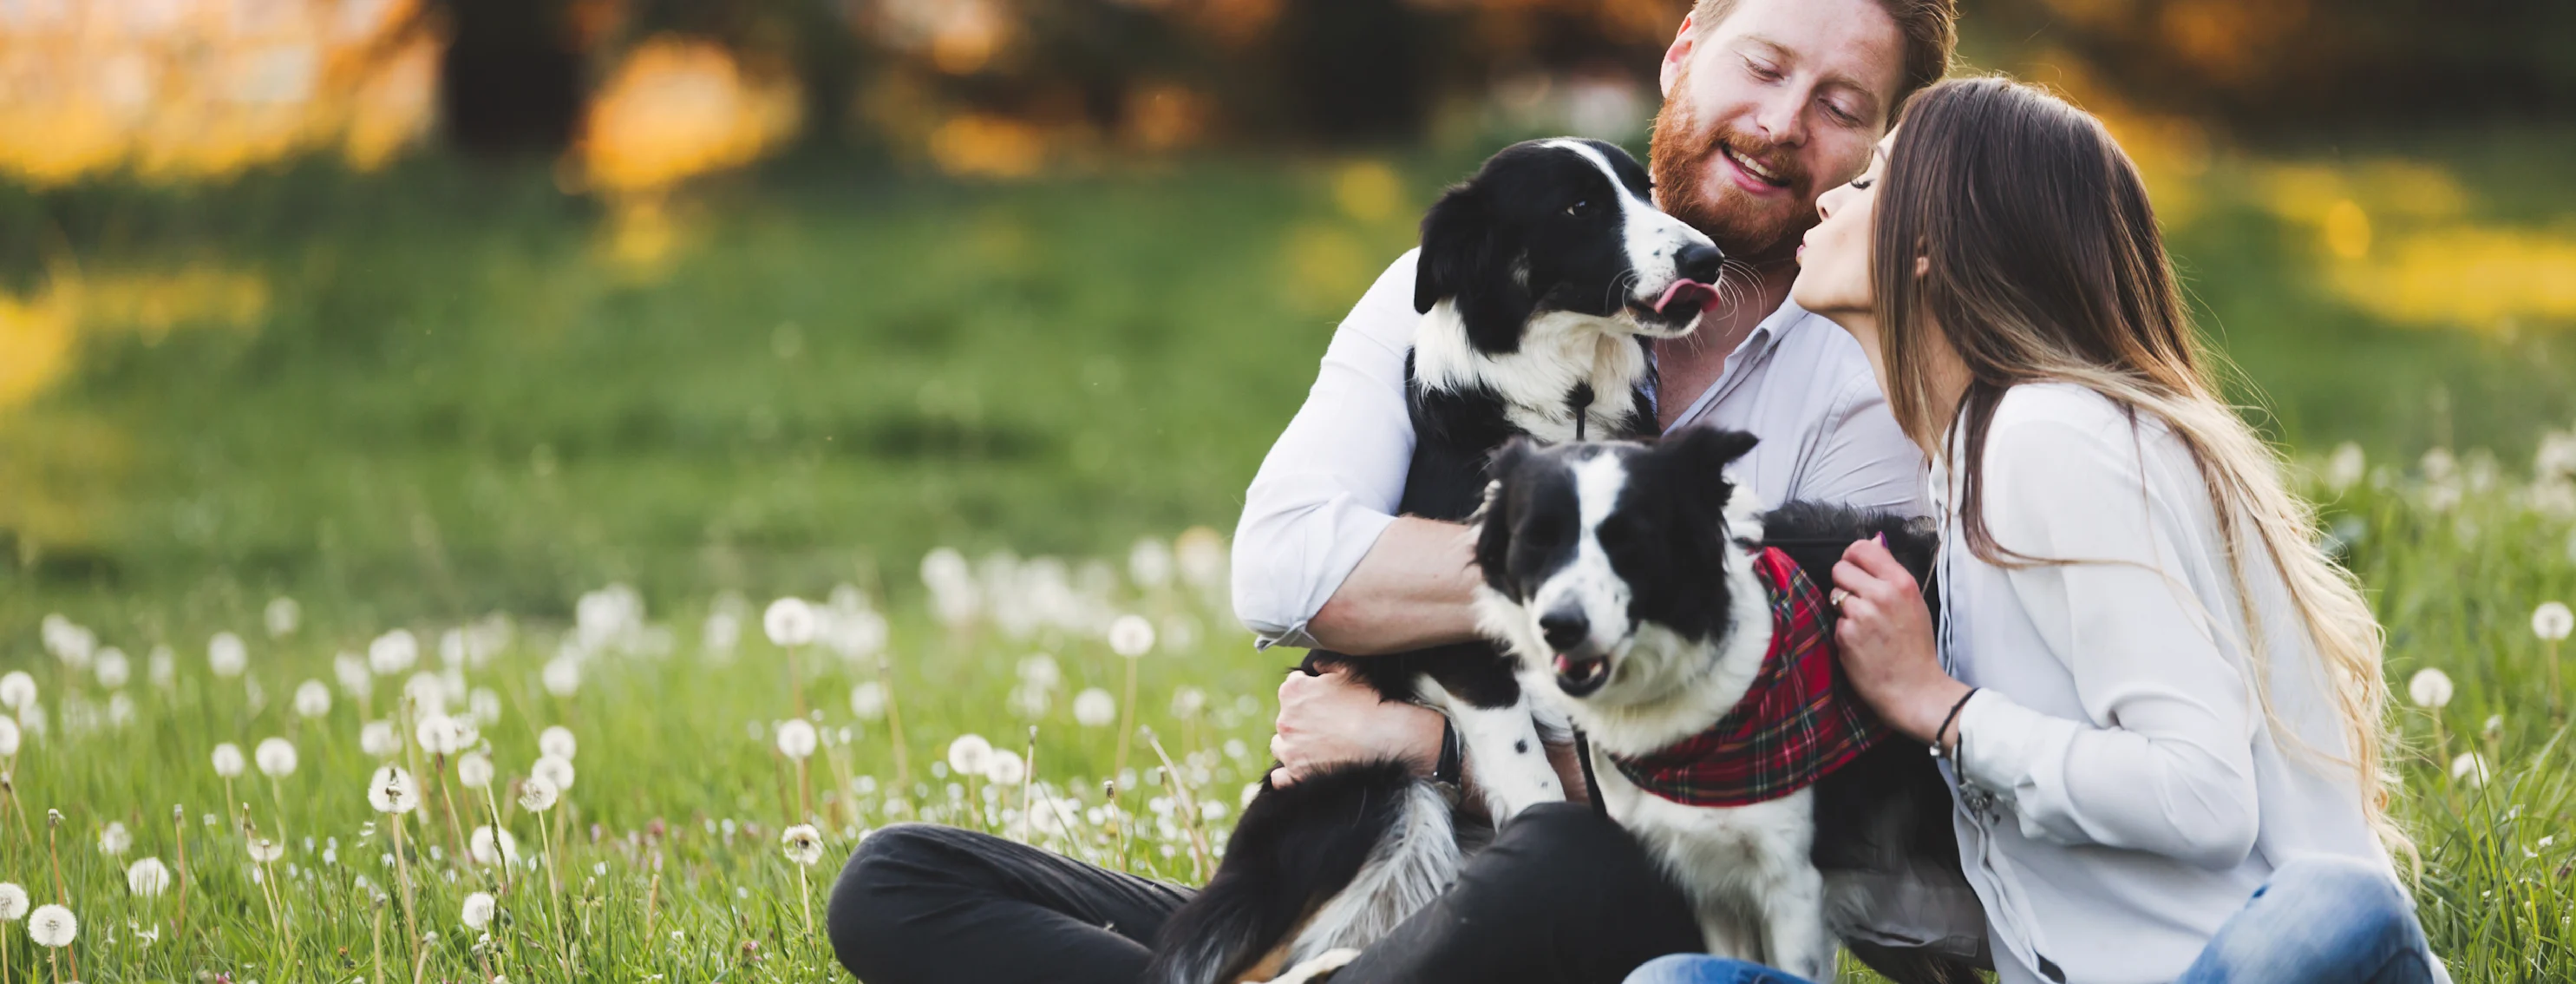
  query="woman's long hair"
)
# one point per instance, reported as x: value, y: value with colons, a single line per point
x: 2045, y: 265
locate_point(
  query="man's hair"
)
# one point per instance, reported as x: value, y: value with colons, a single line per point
x: 1930, y: 29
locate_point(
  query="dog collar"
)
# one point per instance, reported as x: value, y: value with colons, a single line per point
x: 1797, y: 722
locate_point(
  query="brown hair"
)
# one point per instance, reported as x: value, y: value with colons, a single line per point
x: 2043, y: 263
x: 1930, y: 29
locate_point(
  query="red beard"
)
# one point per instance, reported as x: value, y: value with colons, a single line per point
x: 1682, y: 159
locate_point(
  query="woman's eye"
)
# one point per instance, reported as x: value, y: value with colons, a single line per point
x: 1863, y: 182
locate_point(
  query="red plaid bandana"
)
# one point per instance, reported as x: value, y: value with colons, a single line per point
x: 1797, y: 722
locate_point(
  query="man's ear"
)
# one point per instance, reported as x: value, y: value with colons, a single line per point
x: 1457, y: 235
x: 1685, y: 41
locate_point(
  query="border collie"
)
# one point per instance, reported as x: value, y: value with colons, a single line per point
x: 1539, y: 282
x: 1642, y: 591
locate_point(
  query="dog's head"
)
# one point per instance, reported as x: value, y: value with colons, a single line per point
x: 1592, y: 551
x: 1562, y: 225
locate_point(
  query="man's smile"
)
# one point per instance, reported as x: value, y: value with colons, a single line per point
x: 1752, y: 174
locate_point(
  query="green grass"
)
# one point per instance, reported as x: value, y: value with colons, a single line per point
x: 453, y: 406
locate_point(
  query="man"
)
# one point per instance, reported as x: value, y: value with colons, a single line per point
x: 1767, y: 103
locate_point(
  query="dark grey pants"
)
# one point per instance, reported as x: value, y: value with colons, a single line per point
x: 1562, y: 896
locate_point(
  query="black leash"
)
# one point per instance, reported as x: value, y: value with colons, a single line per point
x: 1580, y: 401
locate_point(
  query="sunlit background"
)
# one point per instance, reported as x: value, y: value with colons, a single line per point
x: 431, y: 307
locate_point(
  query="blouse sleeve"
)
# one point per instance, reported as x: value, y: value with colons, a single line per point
x: 2163, y: 759
x: 1331, y: 483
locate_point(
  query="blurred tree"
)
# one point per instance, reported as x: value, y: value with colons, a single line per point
x: 511, y: 80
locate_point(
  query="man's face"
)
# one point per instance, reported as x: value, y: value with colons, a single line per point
x: 1767, y: 108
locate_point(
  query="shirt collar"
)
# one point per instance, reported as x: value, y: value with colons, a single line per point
x: 1755, y: 349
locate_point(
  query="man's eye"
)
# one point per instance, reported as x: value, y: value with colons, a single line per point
x: 1762, y: 71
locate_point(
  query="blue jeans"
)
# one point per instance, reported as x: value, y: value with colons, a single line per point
x: 2318, y: 921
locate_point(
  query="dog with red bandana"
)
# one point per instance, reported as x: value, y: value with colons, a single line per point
x: 1682, y: 629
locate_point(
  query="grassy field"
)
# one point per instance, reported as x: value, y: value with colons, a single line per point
x: 448, y: 397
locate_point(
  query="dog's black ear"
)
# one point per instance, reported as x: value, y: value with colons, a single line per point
x: 1493, y: 518
x: 1456, y: 236
x: 1697, y: 457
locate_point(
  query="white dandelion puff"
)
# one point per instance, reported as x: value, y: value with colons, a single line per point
x: 9, y: 738
x: 473, y: 770
x: 488, y: 847
x: 52, y: 926
x: 868, y: 700
x: 114, y: 670
x: 227, y: 655
x: 393, y: 653
x: 1188, y: 702
x: 557, y: 741
x: 789, y: 622
x: 148, y: 877
x: 282, y: 616
x: 1005, y: 768
x: 1200, y: 552
x: 2344, y: 468
x: 1094, y: 708
x: 562, y: 676
x: 2470, y: 767
x: 17, y: 690
x: 266, y: 851
x: 1149, y: 563
x: 379, y: 739
x: 802, y: 844
x: 484, y: 706
x: 356, y: 678
x: 537, y: 795
x: 854, y: 634
x: 312, y: 699
x: 478, y: 911
x: 2429, y: 688
x: 796, y: 738
x: 442, y: 735
x: 276, y: 757
x: 1131, y: 636
x: 2552, y: 621
x: 228, y: 760
x: 968, y: 754
x: 114, y: 840
x: 13, y: 902
x: 1040, y: 670
x: 391, y: 790
x: 555, y: 771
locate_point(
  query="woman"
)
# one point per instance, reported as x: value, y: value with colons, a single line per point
x: 2158, y: 703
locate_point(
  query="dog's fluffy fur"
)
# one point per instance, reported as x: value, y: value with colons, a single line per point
x: 1621, y: 575
x: 1538, y: 282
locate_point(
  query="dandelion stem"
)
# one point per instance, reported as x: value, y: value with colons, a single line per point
x: 1126, y: 719
x: 805, y: 897
x: 1028, y: 780
x: 54, y: 820
x: 795, y: 681
x: 1200, y: 862
x: 179, y: 822
x: 411, y: 923
x: 804, y: 808
x: 894, y: 725
x: 653, y: 899
x: 376, y: 942
x: 1118, y: 816
x: 455, y: 828
x: 554, y: 886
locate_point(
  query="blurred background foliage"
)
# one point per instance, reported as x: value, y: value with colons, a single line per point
x: 432, y: 306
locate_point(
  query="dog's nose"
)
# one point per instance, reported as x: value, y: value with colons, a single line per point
x: 1565, y: 628
x: 1698, y: 261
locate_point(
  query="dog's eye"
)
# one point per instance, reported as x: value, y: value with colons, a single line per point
x: 1580, y: 208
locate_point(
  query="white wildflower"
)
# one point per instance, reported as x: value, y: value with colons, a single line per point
x: 802, y: 844
x: 1131, y: 636
x: 228, y: 760
x: 493, y: 847
x: 473, y: 770
x: 2429, y: 688
x: 393, y: 653
x: 1005, y: 768
x: 8, y: 737
x: 1201, y: 554
x: 1188, y: 702
x: 557, y: 741
x: 537, y: 795
x: 2345, y: 467
x: 2470, y: 767
x: 562, y: 676
x: 356, y: 678
x: 789, y: 622
x: 13, y: 902
x: 282, y: 616
x: 968, y: 754
x: 2552, y: 621
x: 266, y: 851
x: 1094, y: 708
x: 17, y: 690
x: 114, y: 670
x: 227, y: 655
x: 52, y: 926
x: 796, y: 738
x: 478, y: 911
x: 1149, y: 563
x: 868, y: 700
x: 114, y: 840
x: 378, y: 738
x: 312, y: 699
x: 555, y: 771
x: 276, y: 757
x: 148, y: 877
x: 391, y: 790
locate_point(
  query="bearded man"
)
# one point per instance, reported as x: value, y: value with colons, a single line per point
x: 1767, y: 104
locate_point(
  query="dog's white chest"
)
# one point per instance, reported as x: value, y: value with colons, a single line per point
x: 1745, y: 870
x: 1560, y: 351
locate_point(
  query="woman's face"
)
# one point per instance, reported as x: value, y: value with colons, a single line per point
x: 1833, y: 259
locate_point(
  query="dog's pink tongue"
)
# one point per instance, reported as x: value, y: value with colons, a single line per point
x: 1564, y: 663
x: 1690, y: 292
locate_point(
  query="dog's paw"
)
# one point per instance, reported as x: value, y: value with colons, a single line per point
x: 1317, y: 968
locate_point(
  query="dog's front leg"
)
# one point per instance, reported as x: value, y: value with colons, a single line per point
x: 1502, y: 749
x: 1794, y: 938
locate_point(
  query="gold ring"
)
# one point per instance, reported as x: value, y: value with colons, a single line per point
x: 1836, y: 599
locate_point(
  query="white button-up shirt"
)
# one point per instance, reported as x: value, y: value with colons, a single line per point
x: 1332, y: 482
x: 2122, y: 793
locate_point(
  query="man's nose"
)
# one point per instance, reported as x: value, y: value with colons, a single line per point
x: 1698, y: 261
x: 1565, y: 627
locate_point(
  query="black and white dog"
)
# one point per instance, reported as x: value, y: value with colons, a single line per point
x: 1539, y: 281
x: 1632, y: 581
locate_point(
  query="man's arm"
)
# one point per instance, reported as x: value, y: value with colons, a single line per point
x: 1860, y: 457
x: 1320, y: 559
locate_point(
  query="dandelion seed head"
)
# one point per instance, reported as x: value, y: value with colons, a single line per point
x: 789, y: 622
x: 557, y: 741
x: 1188, y: 702
x: 147, y: 877
x: 556, y: 771
x: 796, y: 738
x: 276, y: 757
x: 266, y: 851
x: 13, y: 902
x: 9, y: 737
x: 478, y: 911
x: 968, y: 754
x: 802, y: 844
x: 17, y: 690
x: 378, y: 738
x: 1005, y: 768
x: 853, y: 634
x: 537, y: 795
x: 114, y: 840
x: 228, y: 760
x: 312, y: 699
x: 868, y: 700
x: 489, y: 847
x: 1094, y: 708
x: 393, y: 653
x: 562, y: 676
x: 52, y: 926
x: 114, y: 670
x: 2552, y: 621
x: 392, y: 790
x: 442, y: 735
x: 1131, y: 636
x: 473, y: 770
x: 227, y: 655
x: 2470, y: 767
x: 2429, y: 688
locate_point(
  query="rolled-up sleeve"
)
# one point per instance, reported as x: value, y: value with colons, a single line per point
x: 2165, y: 762
x: 1331, y: 483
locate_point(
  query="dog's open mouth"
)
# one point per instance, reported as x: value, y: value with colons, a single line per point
x: 1685, y: 298
x: 1580, y: 676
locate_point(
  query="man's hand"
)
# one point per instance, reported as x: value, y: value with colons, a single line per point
x: 1330, y: 719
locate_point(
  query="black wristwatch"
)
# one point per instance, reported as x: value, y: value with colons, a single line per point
x: 1452, y: 762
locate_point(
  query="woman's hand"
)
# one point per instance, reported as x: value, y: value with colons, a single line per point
x: 1885, y: 638
x: 1329, y: 719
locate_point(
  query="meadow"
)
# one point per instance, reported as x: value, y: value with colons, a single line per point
x: 471, y: 459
